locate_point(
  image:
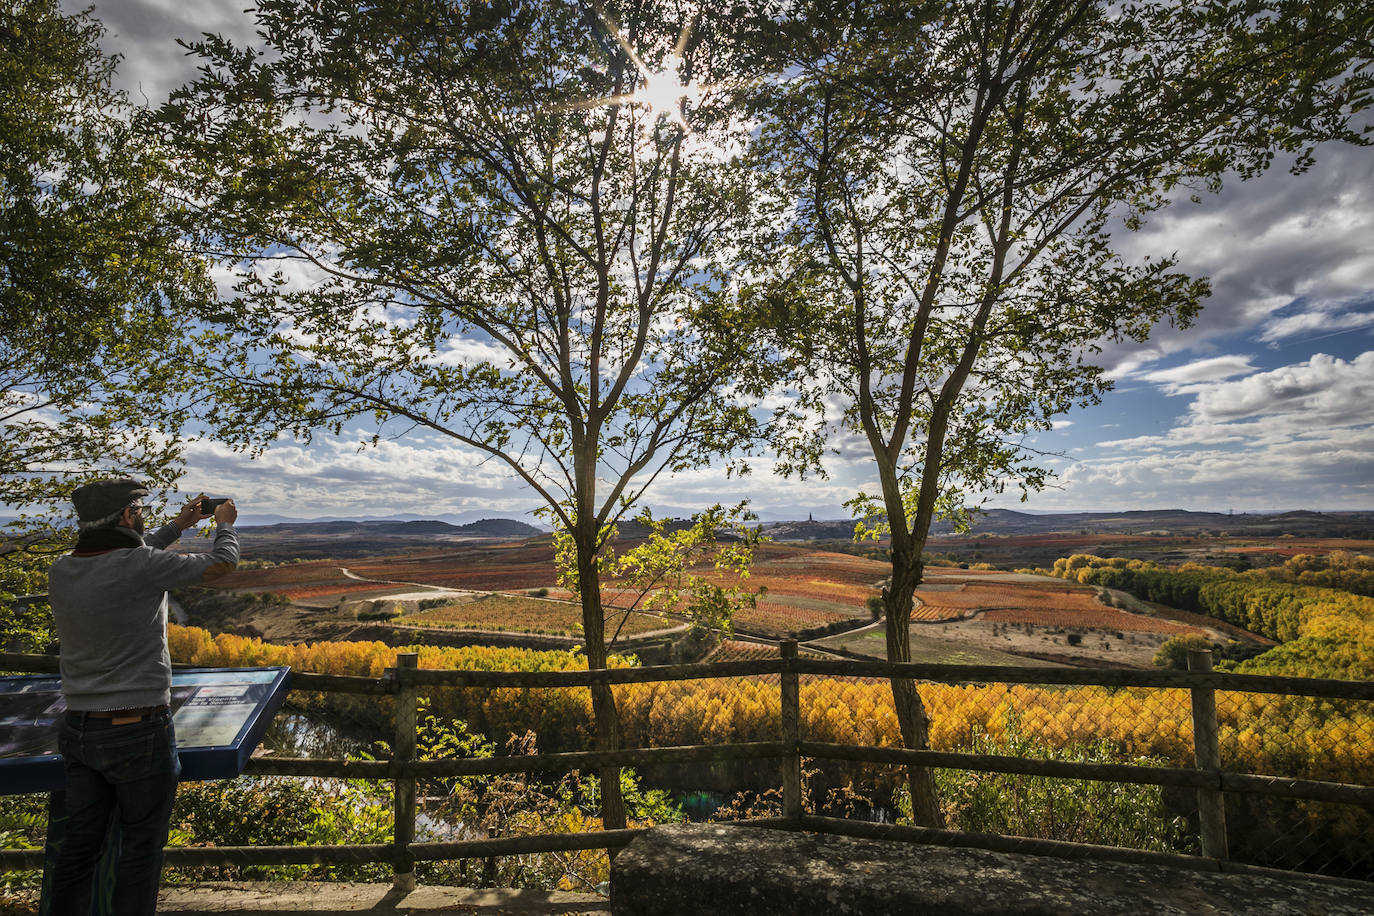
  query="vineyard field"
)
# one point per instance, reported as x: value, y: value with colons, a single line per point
x: 802, y: 590
x: 504, y: 567
x: 737, y: 650
x: 1020, y: 617
x: 525, y: 615
x: 938, y: 613
x: 779, y: 618
x: 274, y: 578
x: 1100, y: 618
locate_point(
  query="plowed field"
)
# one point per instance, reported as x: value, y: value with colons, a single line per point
x: 504, y: 568
x: 1099, y: 618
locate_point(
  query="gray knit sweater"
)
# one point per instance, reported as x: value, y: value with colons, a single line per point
x: 111, y: 613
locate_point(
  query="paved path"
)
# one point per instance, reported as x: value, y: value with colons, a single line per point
x: 328, y: 897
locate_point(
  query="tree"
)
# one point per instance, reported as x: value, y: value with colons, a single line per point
x: 93, y: 284
x: 494, y: 223
x: 694, y: 568
x: 949, y: 176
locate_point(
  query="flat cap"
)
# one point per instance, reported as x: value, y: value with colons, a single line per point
x: 100, y: 498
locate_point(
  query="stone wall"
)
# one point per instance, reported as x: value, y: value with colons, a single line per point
x: 737, y: 870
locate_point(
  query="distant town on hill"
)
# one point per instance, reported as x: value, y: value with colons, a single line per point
x: 1006, y: 522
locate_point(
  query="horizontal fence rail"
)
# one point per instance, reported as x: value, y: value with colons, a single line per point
x: 408, y: 683
x: 305, y: 681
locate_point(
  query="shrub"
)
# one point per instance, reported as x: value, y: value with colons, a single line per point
x: 1174, y: 651
x: 381, y: 610
x: 253, y: 811
x: 1072, y: 810
x: 23, y: 824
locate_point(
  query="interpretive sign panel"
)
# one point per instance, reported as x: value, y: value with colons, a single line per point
x: 219, y: 715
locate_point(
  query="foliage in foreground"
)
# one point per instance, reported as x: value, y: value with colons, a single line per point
x: 331, y: 811
x: 697, y: 570
x: 562, y: 719
x: 95, y: 284
x: 1072, y: 810
x: 23, y: 824
x: 1260, y: 733
x: 25, y: 625
x: 268, y: 811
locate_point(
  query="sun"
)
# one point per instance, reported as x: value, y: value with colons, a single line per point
x: 664, y: 90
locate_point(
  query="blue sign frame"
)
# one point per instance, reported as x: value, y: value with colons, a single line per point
x: 220, y: 715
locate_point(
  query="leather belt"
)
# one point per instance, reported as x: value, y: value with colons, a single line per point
x: 122, y: 716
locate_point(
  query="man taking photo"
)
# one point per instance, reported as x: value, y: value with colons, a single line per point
x: 109, y: 601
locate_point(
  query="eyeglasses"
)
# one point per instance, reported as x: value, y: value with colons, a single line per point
x: 138, y: 507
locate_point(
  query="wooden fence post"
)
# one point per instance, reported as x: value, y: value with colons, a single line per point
x: 791, y: 733
x: 403, y: 752
x: 1207, y: 758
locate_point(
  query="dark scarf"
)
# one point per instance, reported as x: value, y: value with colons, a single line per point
x: 103, y: 540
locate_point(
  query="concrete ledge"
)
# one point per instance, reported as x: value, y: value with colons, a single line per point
x: 724, y: 870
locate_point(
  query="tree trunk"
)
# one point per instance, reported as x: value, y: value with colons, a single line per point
x: 898, y: 598
x: 603, y: 700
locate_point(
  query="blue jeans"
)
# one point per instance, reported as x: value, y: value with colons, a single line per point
x: 124, y: 771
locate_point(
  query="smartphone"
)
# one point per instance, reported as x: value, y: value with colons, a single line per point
x: 208, y: 505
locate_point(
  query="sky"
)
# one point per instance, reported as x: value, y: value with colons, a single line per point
x: 1265, y: 404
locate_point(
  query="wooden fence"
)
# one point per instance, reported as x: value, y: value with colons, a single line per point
x: 407, y: 683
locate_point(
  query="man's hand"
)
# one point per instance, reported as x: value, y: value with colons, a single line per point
x: 226, y: 513
x: 189, y: 516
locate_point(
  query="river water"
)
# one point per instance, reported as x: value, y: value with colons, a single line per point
x: 294, y: 733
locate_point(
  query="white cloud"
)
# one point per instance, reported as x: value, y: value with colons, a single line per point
x: 1315, y: 322
x: 1298, y: 436
x: 769, y: 494
x: 465, y: 351
x: 339, y: 476
x: 1301, y: 401
x: 1324, y: 391
x: 145, y: 32
x: 1278, y: 244
x: 1189, y: 377
x: 1331, y: 470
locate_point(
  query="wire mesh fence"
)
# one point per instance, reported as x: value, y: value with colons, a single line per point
x: 1073, y: 724
x: 716, y: 711
x: 1299, y: 738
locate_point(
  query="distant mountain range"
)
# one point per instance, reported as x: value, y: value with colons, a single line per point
x: 342, y: 528
x: 1357, y: 524
x: 250, y: 519
x: 1004, y: 522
